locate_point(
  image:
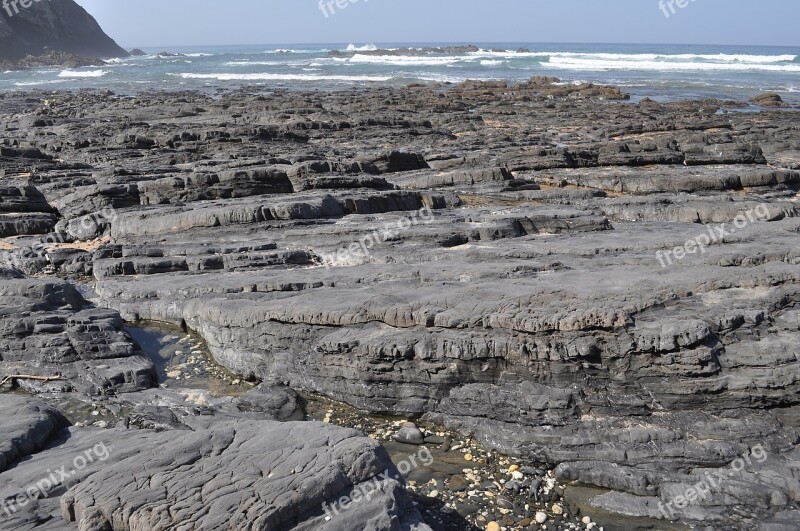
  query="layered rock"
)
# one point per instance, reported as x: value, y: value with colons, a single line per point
x: 250, y: 474
x: 49, y: 332
x: 508, y: 261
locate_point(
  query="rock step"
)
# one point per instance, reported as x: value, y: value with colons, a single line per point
x: 673, y: 179
x: 47, y: 330
x: 214, y: 214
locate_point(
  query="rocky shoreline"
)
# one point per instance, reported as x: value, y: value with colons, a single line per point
x: 50, y: 60
x: 595, y: 300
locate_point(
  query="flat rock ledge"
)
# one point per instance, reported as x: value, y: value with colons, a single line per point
x: 512, y: 262
x: 239, y: 474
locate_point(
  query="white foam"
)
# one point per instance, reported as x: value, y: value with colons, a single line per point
x: 569, y: 63
x: 83, y: 73
x: 267, y: 63
x: 282, y: 77
x: 294, y: 50
x: 718, y: 58
x: 404, y: 60
x: 758, y: 59
x: 437, y: 78
x: 492, y: 62
x: 725, y: 58
x: 365, y: 48
x: 508, y: 54
x: 38, y: 83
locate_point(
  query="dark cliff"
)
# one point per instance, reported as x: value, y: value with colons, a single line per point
x: 50, y: 27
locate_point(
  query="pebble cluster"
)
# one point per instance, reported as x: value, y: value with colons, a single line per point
x: 466, y: 486
x: 189, y: 364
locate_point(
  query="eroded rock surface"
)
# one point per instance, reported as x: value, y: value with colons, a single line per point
x: 47, y: 330
x: 499, y: 259
x: 245, y: 474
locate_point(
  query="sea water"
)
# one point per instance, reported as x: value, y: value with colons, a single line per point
x: 662, y: 72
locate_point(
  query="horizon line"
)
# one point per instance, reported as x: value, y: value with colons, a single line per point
x: 456, y: 43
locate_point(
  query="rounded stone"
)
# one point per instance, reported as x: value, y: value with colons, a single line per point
x: 458, y: 484
x: 505, y: 503
x: 493, y: 526
x: 540, y: 518
x: 557, y: 509
x: 409, y: 436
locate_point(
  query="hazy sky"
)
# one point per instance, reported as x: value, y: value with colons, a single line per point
x: 198, y: 22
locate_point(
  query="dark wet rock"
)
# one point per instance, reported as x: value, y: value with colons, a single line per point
x: 434, y: 439
x: 768, y: 99
x: 467, y: 509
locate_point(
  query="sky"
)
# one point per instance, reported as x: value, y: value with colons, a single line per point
x: 164, y: 23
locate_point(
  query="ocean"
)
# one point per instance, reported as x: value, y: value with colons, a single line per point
x: 660, y: 72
